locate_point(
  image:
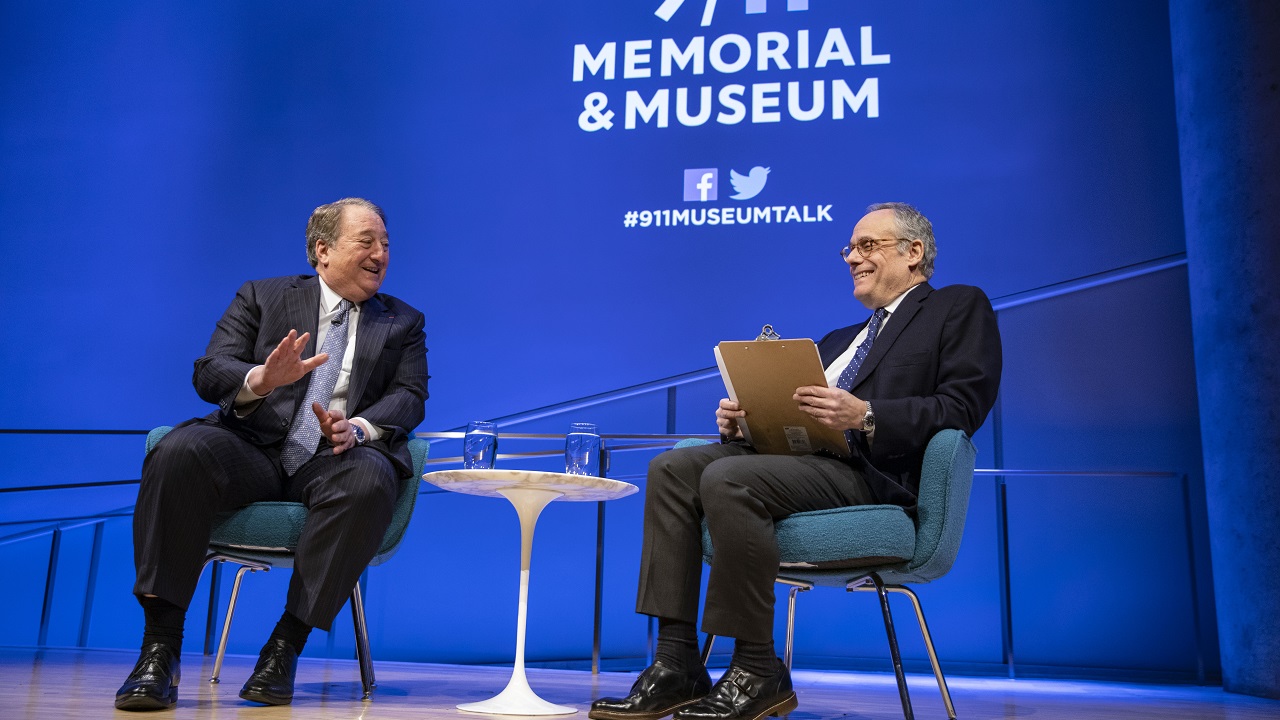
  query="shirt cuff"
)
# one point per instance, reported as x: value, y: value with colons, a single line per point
x: 246, y: 400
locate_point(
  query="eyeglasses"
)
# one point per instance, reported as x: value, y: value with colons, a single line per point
x: 865, y: 246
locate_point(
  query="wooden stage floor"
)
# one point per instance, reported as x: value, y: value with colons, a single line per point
x: 81, y: 684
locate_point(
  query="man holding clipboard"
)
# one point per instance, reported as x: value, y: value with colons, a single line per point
x: 926, y: 360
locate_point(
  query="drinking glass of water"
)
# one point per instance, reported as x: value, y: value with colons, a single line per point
x: 480, y: 445
x: 582, y: 450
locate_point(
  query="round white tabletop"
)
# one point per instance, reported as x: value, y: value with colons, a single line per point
x: 574, y: 488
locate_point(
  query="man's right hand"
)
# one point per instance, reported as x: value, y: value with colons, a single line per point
x: 285, y: 364
x: 727, y: 418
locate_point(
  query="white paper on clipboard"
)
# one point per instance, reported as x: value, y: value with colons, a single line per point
x: 728, y: 386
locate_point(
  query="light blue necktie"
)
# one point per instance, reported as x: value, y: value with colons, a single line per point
x: 851, y: 370
x: 304, y: 432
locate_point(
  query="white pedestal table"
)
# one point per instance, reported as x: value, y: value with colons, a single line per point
x: 529, y: 491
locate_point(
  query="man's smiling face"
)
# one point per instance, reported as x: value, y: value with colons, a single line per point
x: 357, y: 263
x: 885, y: 272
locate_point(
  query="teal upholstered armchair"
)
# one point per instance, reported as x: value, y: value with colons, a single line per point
x: 264, y: 535
x: 879, y: 548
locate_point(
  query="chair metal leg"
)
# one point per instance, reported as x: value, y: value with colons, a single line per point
x: 893, y: 647
x: 797, y: 587
x: 231, y: 611
x: 367, y: 680
x: 928, y: 641
x: 928, y: 644
x: 791, y: 626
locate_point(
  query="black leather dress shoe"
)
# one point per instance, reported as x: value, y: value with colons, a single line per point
x: 658, y: 692
x: 740, y: 695
x: 272, y: 680
x: 153, y: 684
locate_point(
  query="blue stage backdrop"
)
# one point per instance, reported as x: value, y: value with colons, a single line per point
x: 541, y: 163
x: 585, y: 195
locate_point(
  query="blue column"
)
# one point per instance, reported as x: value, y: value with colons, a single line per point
x: 1226, y: 59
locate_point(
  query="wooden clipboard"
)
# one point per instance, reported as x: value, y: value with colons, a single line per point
x: 761, y: 376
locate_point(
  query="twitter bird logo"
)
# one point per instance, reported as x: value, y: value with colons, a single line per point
x: 750, y: 185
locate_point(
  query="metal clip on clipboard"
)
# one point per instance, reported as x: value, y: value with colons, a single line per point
x: 767, y: 333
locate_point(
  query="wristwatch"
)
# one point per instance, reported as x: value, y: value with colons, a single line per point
x: 361, y: 437
x: 868, y: 421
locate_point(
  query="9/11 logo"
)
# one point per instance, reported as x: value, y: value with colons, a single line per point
x: 754, y: 7
x: 701, y: 184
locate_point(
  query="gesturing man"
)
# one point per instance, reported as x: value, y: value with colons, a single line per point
x: 318, y: 381
x: 926, y: 360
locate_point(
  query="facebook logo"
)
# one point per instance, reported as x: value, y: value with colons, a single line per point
x: 701, y: 184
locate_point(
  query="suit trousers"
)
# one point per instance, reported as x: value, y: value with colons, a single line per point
x: 740, y: 494
x: 202, y: 469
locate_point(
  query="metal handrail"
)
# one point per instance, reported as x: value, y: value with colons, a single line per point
x: 457, y: 435
x: 64, y: 524
x: 655, y: 441
x: 77, y: 431
x: 1010, y: 472
x: 1086, y: 282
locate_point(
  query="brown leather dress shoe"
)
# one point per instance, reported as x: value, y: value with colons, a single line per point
x: 740, y: 695
x: 658, y: 692
x: 272, y: 680
x: 153, y: 684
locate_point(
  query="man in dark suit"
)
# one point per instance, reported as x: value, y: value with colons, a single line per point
x: 318, y: 381
x: 927, y: 360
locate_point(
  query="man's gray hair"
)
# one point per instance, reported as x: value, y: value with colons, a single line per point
x: 325, y: 221
x: 912, y: 225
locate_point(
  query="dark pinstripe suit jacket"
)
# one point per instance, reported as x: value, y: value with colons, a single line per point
x: 935, y: 366
x: 388, y: 374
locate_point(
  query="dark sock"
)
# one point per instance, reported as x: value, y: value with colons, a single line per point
x: 164, y: 622
x: 755, y: 658
x: 292, y: 630
x: 678, y: 645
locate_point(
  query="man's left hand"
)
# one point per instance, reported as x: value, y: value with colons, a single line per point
x: 832, y: 407
x: 336, y: 428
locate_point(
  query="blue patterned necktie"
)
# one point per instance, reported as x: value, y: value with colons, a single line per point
x: 304, y: 432
x: 851, y: 370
